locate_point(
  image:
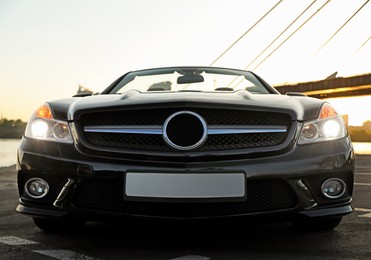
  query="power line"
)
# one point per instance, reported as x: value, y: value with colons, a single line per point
x: 262, y: 52
x: 363, y: 45
x: 291, y: 34
x: 246, y: 32
x: 284, y: 41
x: 332, y: 36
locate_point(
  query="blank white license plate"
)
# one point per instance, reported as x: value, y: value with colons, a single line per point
x: 185, y: 186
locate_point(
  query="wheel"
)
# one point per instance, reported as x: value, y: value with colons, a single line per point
x: 317, y: 223
x: 57, y: 225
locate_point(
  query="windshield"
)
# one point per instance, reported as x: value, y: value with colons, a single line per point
x: 189, y: 79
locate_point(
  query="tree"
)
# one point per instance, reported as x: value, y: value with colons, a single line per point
x: 12, y: 129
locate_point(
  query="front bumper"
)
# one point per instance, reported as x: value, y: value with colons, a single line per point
x: 92, y: 187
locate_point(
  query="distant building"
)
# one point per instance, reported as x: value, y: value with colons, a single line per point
x: 367, y: 125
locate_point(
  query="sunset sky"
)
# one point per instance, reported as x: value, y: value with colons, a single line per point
x: 48, y: 48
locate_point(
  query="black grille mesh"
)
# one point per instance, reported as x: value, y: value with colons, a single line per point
x: 107, y: 195
x: 158, y: 116
x: 214, y: 142
x: 221, y: 117
x: 128, y: 141
x: 242, y: 141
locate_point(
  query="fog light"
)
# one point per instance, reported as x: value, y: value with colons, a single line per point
x: 36, y: 188
x: 333, y: 188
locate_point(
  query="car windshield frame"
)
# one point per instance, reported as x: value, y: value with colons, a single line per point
x: 193, y: 79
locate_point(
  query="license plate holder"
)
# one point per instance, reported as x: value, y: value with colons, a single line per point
x: 187, y: 187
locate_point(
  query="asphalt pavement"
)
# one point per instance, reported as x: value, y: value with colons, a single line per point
x: 20, y: 239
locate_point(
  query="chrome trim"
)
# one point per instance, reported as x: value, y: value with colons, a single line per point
x: 245, y: 129
x: 190, y: 147
x: 212, y: 129
x: 125, y: 129
x: 307, y: 201
x: 64, y: 193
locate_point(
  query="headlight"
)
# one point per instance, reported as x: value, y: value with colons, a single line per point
x: 43, y: 126
x: 328, y: 126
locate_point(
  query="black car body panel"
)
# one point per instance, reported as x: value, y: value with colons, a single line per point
x: 298, y: 107
x: 87, y: 177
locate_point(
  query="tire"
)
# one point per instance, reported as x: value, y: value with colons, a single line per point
x: 56, y: 225
x: 324, y: 224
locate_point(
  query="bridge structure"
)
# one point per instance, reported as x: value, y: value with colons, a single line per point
x: 331, y: 87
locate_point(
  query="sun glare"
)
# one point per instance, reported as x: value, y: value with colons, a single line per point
x: 357, y: 108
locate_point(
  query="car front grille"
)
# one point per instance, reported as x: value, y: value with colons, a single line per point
x: 108, y: 195
x: 156, y: 117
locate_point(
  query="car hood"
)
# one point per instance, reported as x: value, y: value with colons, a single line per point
x: 298, y: 107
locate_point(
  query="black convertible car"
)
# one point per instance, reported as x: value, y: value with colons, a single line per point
x: 186, y: 143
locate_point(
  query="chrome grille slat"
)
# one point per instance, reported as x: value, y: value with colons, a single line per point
x: 245, y: 129
x: 211, y: 130
x: 125, y: 129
